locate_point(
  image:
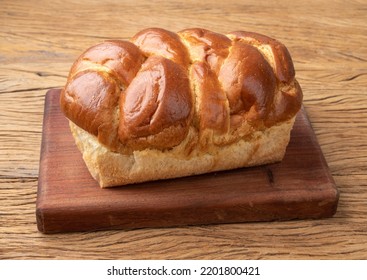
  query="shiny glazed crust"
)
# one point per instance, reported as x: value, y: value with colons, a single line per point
x: 166, y: 105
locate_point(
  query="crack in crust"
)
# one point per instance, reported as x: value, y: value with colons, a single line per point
x: 150, y: 92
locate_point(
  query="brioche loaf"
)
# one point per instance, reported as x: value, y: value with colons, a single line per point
x: 165, y: 105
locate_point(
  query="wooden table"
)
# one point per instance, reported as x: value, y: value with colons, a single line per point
x: 328, y: 42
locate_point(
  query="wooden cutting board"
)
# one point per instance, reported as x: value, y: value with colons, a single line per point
x: 68, y: 199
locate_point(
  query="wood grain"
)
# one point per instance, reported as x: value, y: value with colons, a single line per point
x: 39, y: 41
x: 69, y: 199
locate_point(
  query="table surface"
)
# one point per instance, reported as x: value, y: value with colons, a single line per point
x: 39, y: 40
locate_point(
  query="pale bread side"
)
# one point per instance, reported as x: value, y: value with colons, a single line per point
x: 113, y: 169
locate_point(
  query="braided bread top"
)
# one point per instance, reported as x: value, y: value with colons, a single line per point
x: 159, y: 87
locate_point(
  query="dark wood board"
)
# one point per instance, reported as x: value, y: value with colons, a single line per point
x: 68, y: 199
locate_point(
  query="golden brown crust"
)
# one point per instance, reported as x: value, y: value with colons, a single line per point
x: 161, y: 42
x: 212, y: 108
x: 121, y: 58
x: 206, y: 46
x: 249, y: 82
x: 279, y: 55
x: 159, y: 98
x: 195, y: 89
x: 89, y: 100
